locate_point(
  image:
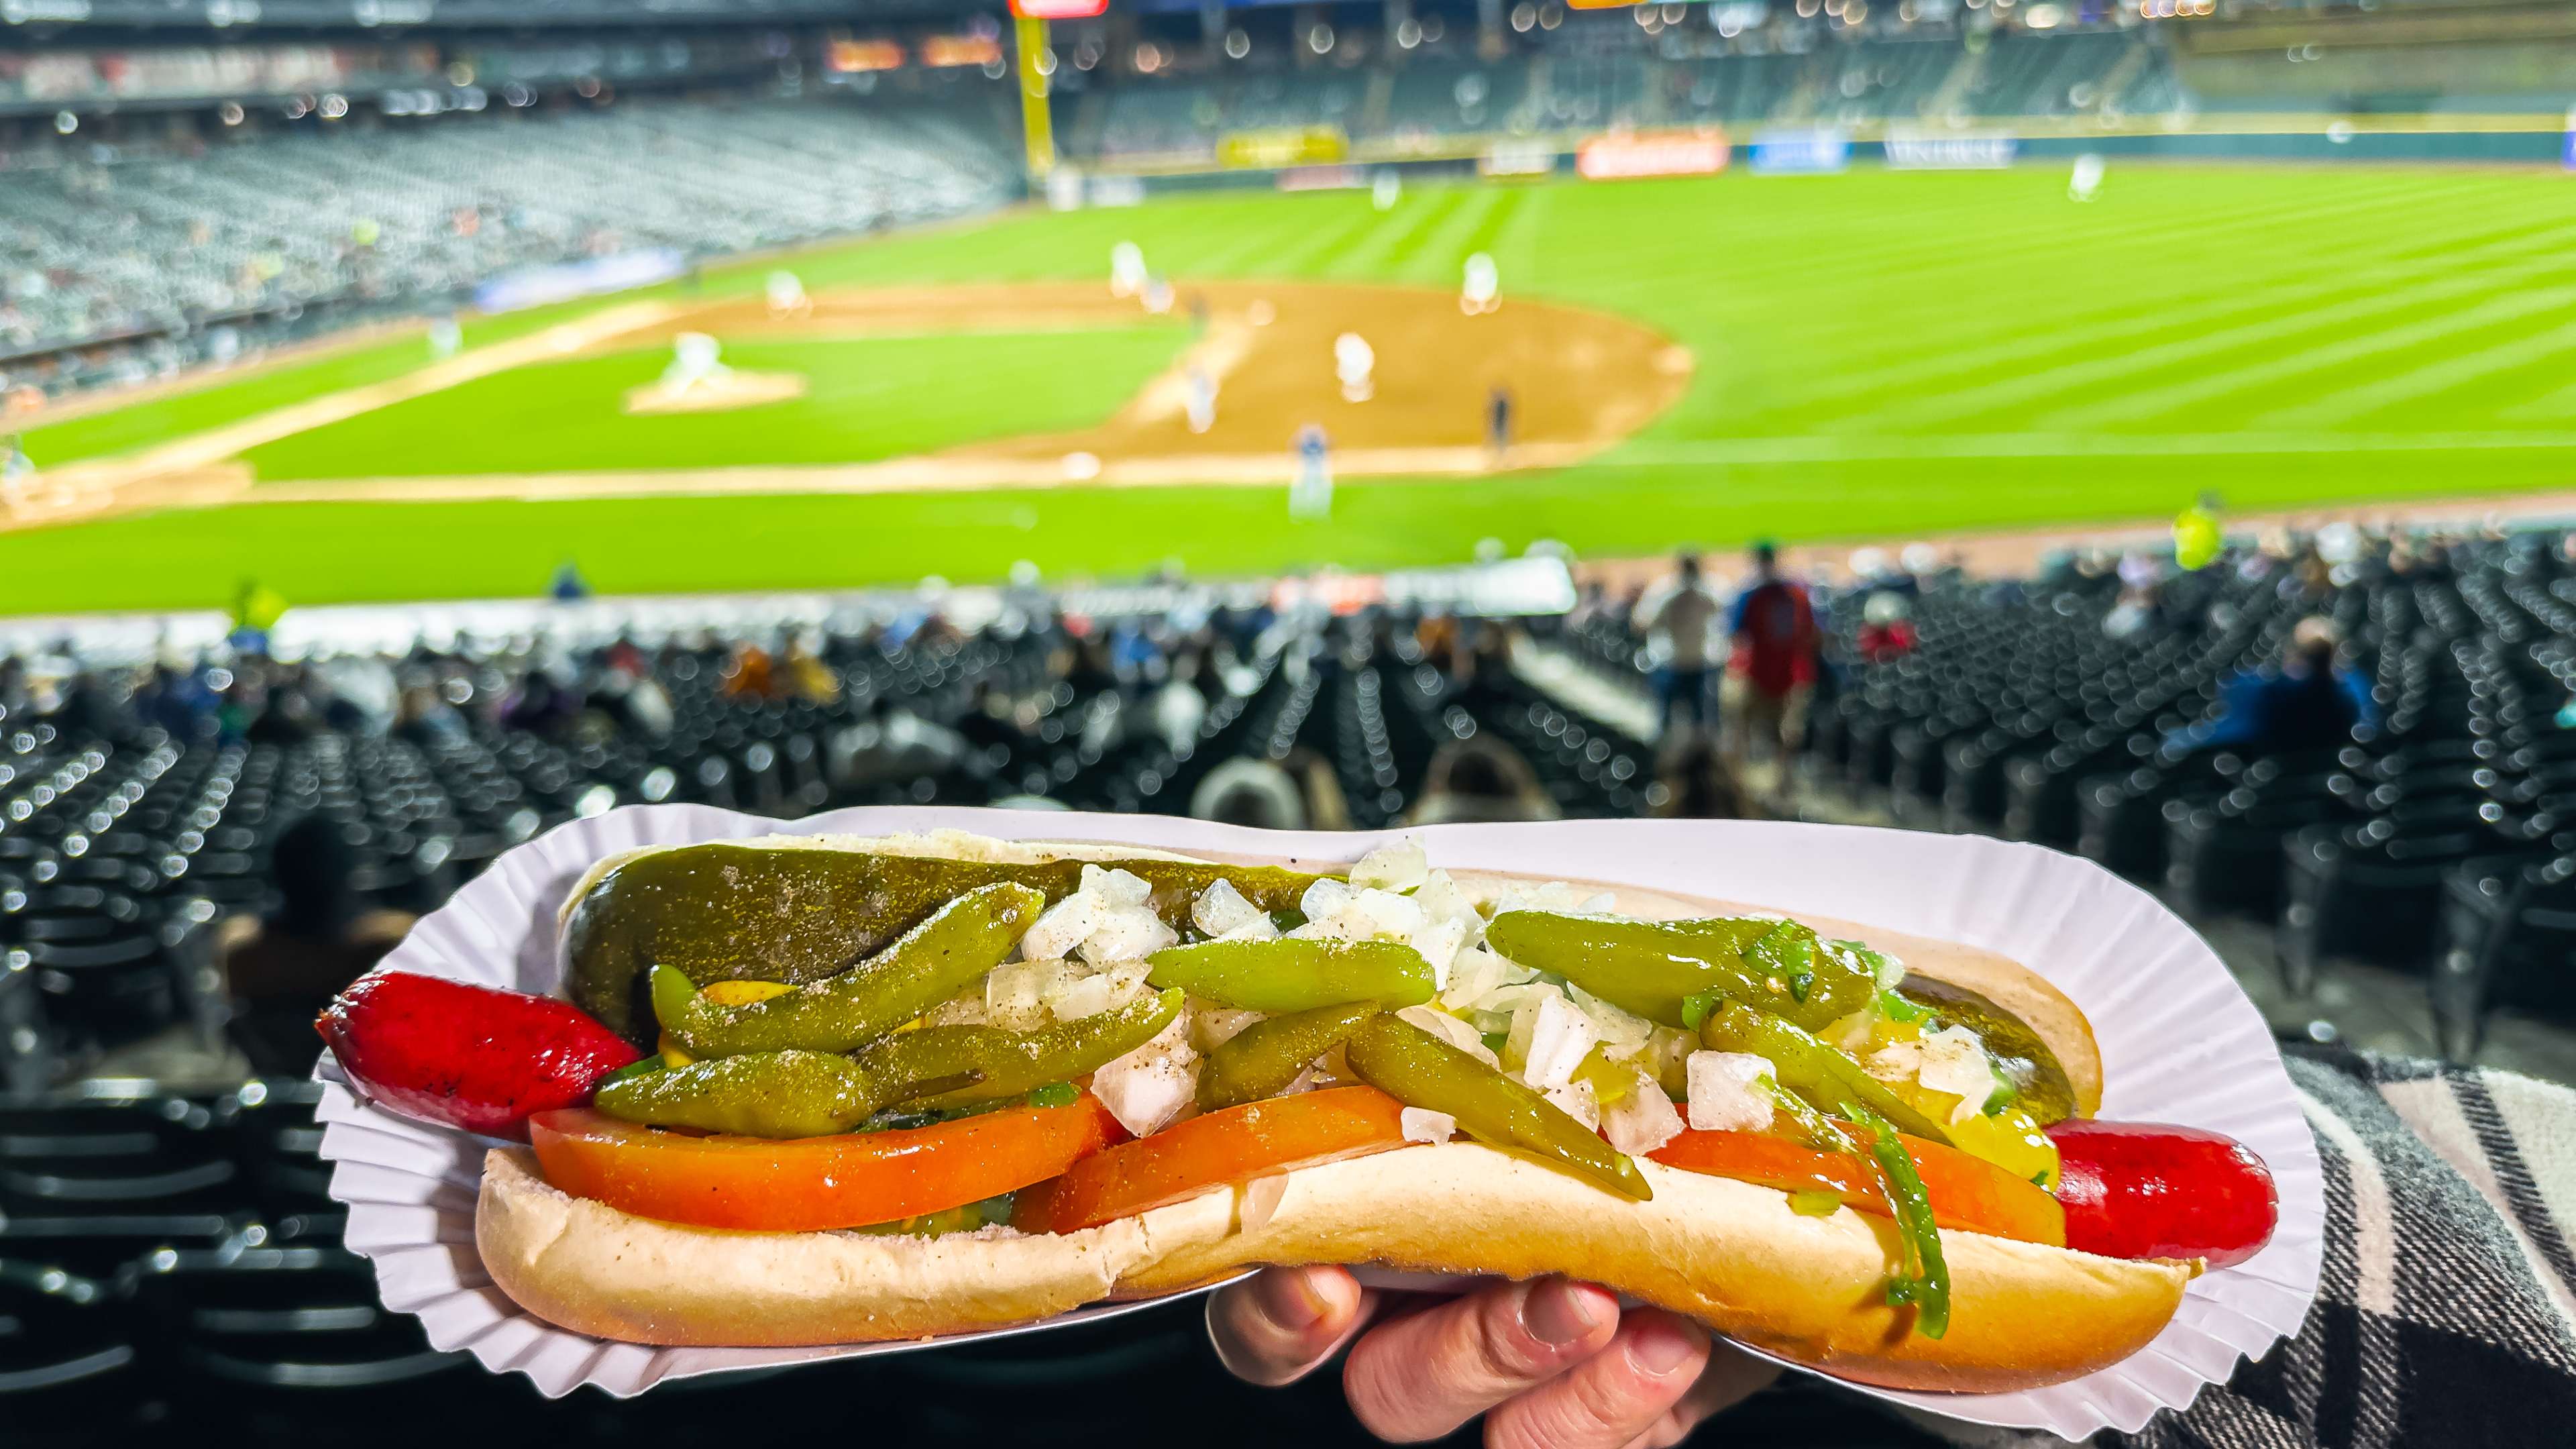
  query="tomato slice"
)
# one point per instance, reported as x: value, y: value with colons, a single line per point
x: 1968, y: 1193
x: 808, y: 1183
x: 1211, y: 1151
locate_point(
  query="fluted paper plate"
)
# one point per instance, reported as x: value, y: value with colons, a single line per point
x: 2180, y: 1043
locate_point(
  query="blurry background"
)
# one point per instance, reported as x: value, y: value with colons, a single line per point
x: 423, y: 422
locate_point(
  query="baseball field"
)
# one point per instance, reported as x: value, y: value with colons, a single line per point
x: 1876, y: 354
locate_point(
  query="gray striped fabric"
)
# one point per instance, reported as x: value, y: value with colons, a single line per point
x: 2447, y: 1312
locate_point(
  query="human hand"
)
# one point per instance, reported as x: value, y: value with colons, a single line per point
x: 1551, y: 1364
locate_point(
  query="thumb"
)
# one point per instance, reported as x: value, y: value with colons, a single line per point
x: 1276, y: 1326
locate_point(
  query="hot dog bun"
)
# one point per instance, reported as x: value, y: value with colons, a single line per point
x: 1729, y: 1253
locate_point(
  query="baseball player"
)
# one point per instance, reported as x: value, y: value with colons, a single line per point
x: 1201, y: 398
x: 1311, y: 496
x: 1126, y: 270
x: 1481, y: 290
x: 17, y: 477
x: 695, y: 358
x: 1355, y: 364
x: 786, y: 294
x: 2085, y: 181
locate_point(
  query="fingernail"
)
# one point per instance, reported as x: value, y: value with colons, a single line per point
x: 1658, y: 1345
x: 1288, y: 1300
x: 1558, y: 1312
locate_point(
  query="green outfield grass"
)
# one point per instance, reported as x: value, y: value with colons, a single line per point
x: 1879, y: 353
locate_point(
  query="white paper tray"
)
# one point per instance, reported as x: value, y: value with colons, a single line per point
x: 2180, y: 1043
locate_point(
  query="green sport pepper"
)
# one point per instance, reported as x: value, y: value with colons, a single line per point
x: 1922, y: 1276
x: 765, y: 1094
x: 955, y: 1066
x: 1263, y: 1058
x: 930, y: 963
x: 1825, y: 1076
x: 1648, y: 967
x: 745, y: 910
x: 1290, y: 974
x: 1420, y: 1070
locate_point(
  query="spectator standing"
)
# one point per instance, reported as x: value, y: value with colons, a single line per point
x: 1773, y: 629
x: 2198, y: 537
x: 1675, y: 616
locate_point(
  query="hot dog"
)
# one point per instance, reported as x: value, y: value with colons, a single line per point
x: 983, y: 1083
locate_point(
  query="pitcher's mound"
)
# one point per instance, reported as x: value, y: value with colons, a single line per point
x: 736, y: 389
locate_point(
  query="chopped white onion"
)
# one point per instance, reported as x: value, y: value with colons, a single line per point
x: 1221, y: 908
x: 1126, y: 981
x: 1382, y: 915
x: 1324, y: 899
x: 1643, y: 1120
x: 1559, y: 1039
x: 1127, y: 934
x: 1080, y: 997
x: 1730, y: 1091
x: 1451, y: 1030
x: 1439, y: 943
x: 1951, y: 1060
x: 1061, y: 927
x: 1213, y: 1026
x: 1011, y: 999
x: 1476, y: 972
x: 1398, y: 867
x: 1577, y: 1100
x: 1149, y: 1086
x: 1116, y: 889
x: 1422, y: 1125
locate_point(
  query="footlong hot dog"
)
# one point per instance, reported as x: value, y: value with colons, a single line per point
x: 837, y: 1089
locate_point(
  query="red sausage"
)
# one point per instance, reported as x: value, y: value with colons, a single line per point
x: 467, y: 1056
x: 2149, y: 1190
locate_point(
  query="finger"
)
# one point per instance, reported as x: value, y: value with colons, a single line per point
x: 1612, y: 1397
x: 1274, y: 1327
x: 1425, y: 1375
x: 1732, y: 1376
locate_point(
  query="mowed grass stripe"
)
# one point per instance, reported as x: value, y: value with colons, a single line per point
x: 2136, y: 310
x: 2346, y: 404
x: 1440, y: 257
x: 2197, y: 342
x: 2015, y: 339
x: 1518, y: 246
x: 1320, y: 244
x: 2383, y: 334
x: 1410, y: 220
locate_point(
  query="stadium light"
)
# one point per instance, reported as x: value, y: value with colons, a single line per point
x: 1058, y: 9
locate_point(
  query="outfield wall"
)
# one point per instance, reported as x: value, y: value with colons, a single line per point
x: 2494, y: 140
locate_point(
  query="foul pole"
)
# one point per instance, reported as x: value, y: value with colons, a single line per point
x: 1036, y: 120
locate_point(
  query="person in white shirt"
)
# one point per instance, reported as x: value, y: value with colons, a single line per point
x: 2085, y: 181
x: 1676, y: 616
x: 1200, y: 399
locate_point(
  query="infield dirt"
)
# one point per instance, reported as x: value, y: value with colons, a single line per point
x: 1579, y: 382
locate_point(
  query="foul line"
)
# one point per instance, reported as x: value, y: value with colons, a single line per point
x: 1870, y: 448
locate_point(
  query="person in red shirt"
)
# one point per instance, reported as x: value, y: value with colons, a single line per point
x: 1885, y: 633
x: 1773, y: 629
